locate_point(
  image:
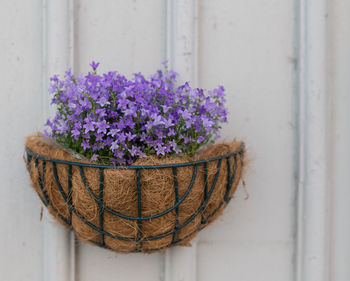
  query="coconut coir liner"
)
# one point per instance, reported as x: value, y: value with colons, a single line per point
x: 120, y: 195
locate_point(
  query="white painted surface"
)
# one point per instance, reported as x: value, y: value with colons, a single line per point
x: 127, y: 36
x: 245, y: 49
x: 58, y: 243
x: 182, y: 55
x: 313, y: 140
x: 20, y: 114
x: 271, y: 57
x: 339, y: 88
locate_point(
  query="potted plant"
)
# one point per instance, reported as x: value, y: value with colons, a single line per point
x: 130, y: 164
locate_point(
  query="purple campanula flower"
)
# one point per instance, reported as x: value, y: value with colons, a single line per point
x: 122, y: 120
x: 115, y: 145
x: 160, y: 150
x: 113, y: 132
x: 99, y: 137
x: 174, y: 146
x: 121, y: 137
x: 75, y: 134
x: 130, y: 136
x: 63, y: 127
x: 94, y: 65
x: 157, y: 120
x: 88, y: 127
x: 103, y: 101
x: 94, y: 157
x: 207, y: 123
x: 134, y: 150
x: 171, y: 132
x: 200, y: 139
x: 85, y: 144
x: 102, y: 126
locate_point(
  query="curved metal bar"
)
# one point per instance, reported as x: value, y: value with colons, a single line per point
x: 231, y: 180
x: 81, y: 164
x: 196, y: 213
x: 43, y: 191
x: 48, y: 203
x: 241, y: 160
x: 69, y: 195
x: 153, y: 249
x: 139, y: 209
x: 99, y: 230
x: 194, y: 175
x: 156, y: 249
x: 148, y: 238
x: 205, y: 166
x: 58, y: 183
x: 100, y: 209
x: 29, y: 159
x: 30, y: 174
x: 79, y: 215
x: 99, y: 199
x: 235, y: 168
x: 176, y: 194
x: 43, y: 166
x: 229, y: 186
x: 67, y: 221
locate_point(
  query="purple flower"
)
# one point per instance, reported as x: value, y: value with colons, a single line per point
x: 134, y: 150
x: 112, y: 117
x: 85, y: 103
x: 171, y: 132
x: 174, y: 146
x: 200, y: 139
x: 85, y: 144
x: 63, y: 127
x: 88, y: 127
x: 121, y: 137
x: 157, y: 120
x: 102, y: 126
x: 130, y: 136
x: 94, y: 65
x: 160, y: 150
x: 208, y: 123
x: 94, y: 157
x: 115, y: 145
x: 113, y: 132
x: 103, y: 101
x: 75, y: 133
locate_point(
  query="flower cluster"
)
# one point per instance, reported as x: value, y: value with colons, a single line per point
x: 113, y: 119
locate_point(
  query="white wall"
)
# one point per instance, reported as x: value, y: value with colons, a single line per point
x: 339, y: 92
x: 20, y: 114
x: 270, y: 55
x: 248, y: 47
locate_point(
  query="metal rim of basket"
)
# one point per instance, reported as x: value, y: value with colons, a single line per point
x: 231, y: 177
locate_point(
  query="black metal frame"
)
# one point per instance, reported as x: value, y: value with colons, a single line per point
x: 231, y: 176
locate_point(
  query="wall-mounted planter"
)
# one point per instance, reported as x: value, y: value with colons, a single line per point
x: 151, y: 205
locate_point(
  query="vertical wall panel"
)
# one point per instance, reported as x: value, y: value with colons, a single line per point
x: 128, y: 36
x: 57, y: 41
x: 20, y: 115
x: 95, y: 264
x: 313, y: 176
x: 248, y: 47
x: 182, y: 54
x: 339, y: 91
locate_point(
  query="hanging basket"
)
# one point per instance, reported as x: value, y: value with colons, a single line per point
x: 151, y: 205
